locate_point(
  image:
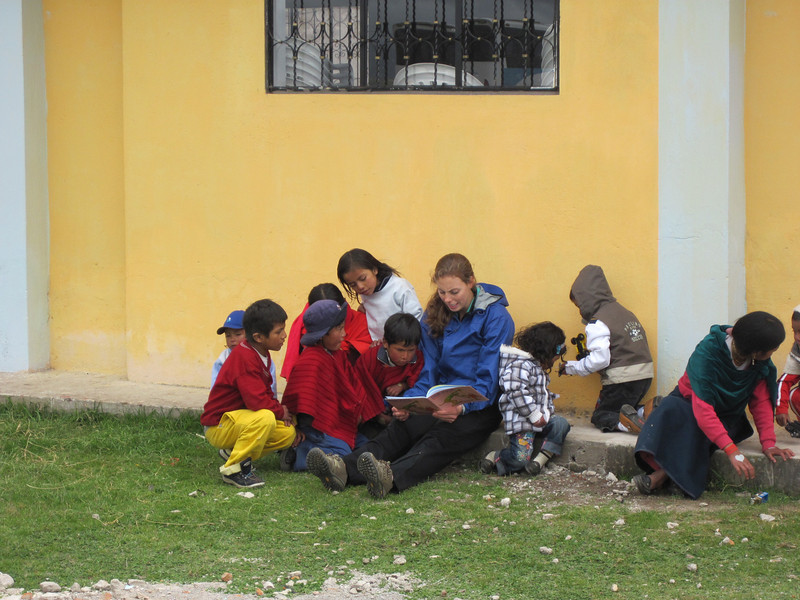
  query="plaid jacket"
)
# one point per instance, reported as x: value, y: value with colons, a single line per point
x: 525, y: 397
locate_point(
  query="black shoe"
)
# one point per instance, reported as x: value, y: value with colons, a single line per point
x: 488, y: 464
x: 533, y: 468
x: 643, y: 484
x: 793, y: 428
x: 246, y: 478
x: 287, y: 458
x: 630, y: 418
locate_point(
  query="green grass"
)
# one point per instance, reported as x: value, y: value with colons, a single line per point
x: 88, y: 496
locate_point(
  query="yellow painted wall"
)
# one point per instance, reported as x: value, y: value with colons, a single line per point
x: 232, y: 194
x: 83, y: 66
x: 772, y: 135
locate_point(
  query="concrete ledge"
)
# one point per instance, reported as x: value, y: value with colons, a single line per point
x: 585, y: 446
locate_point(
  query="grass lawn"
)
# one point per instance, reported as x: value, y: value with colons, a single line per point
x: 89, y: 496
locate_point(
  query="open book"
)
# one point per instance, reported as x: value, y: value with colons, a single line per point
x: 437, y: 396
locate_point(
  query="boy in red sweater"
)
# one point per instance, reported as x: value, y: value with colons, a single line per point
x: 394, y: 366
x: 242, y: 417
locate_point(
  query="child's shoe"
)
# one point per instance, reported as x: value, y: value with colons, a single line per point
x: 225, y: 453
x: 287, y: 458
x: 533, y: 468
x: 489, y: 462
x: 378, y: 474
x: 630, y: 418
x: 246, y: 478
x: 330, y: 469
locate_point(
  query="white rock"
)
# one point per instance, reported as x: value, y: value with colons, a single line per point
x: 399, y: 559
x: 699, y: 585
x: 766, y: 517
x: 568, y: 538
x: 611, y: 477
x: 75, y: 588
x: 268, y: 585
x: 671, y: 524
x: 614, y: 587
x: 466, y: 526
x: 692, y: 567
x: 545, y: 550
x: 409, y: 511
x: 6, y: 580
x: 101, y: 585
x: 744, y: 539
x: 547, y: 516
x: 703, y: 504
x: 672, y: 581
x: 246, y: 494
x: 49, y: 587
x: 619, y: 522
x: 505, y: 502
x: 726, y: 541
x: 555, y: 561
x: 296, y: 574
x: 495, y: 597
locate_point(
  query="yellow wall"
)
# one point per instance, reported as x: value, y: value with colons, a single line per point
x: 772, y: 135
x: 232, y: 194
x: 83, y: 65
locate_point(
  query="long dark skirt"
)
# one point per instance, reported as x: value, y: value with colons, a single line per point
x: 679, y: 446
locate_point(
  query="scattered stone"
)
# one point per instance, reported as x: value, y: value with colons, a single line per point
x: 777, y: 559
x: 101, y: 585
x: 568, y: 538
x: 692, y: 567
x: 699, y: 585
x: 576, y: 467
x: 703, y: 504
x: 409, y: 511
x: 766, y: 517
x: 365, y: 561
x: 545, y: 550
x: 611, y: 478
x: 671, y: 524
x: 227, y: 577
x: 555, y: 561
x: 6, y: 580
x: 726, y: 541
x: 672, y: 581
x: 619, y: 522
x: 744, y: 539
x: 268, y: 585
x: 505, y: 502
x: 246, y: 494
x: 614, y: 587
x: 75, y: 588
x: 547, y: 516
x: 590, y: 473
x: 49, y: 587
x: 399, y: 559
x: 466, y: 526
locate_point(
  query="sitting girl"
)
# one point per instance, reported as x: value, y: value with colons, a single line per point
x: 526, y: 402
x: 378, y: 287
x: 324, y: 390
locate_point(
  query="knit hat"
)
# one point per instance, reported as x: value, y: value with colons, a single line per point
x: 234, y: 321
x: 320, y: 318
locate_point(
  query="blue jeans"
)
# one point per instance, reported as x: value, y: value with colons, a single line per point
x: 328, y: 444
x: 520, y: 447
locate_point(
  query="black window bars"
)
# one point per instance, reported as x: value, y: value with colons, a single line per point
x: 373, y: 45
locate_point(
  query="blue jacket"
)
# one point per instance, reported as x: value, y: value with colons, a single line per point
x: 469, y: 351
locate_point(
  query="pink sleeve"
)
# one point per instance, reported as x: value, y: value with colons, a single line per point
x: 709, y: 422
x: 761, y: 409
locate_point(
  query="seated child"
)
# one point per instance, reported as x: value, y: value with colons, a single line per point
x: 788, y: 394
x: 324, y: 390
x: 356, y: 340
x: 242, y: 417
x: 526, y: 403
x: 393, y: 367
x: 618, y: 350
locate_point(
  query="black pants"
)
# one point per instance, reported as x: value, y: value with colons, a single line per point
x: 421, y: 446
x: 612, y: 397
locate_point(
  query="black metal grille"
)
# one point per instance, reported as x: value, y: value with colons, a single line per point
x: 464, y: 45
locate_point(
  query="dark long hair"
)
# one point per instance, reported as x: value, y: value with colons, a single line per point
x: 361, y: 259
x: 543, y: 341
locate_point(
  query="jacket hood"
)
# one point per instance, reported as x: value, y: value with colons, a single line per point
x: 488, y: 295
x: 510, y: 355
x: 591, y: 291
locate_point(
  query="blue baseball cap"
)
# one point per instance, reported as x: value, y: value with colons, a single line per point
x: 234, y: 321
x: 320, y: 318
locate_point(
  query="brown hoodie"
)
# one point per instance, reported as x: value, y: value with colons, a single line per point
x: 630, y: 354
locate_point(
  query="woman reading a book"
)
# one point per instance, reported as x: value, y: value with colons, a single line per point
x: 463, y: 327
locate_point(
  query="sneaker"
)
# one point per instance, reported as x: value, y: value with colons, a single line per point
x: 643, y: 484
x: 225, y: 453
x: 650, y: 405
x: 246, y: 478
x: 533, y: 468
x: 630, y: 418
x: 287, y: 459
x: 329, y: 468
x: 489, y: 462
x: 378, y: 474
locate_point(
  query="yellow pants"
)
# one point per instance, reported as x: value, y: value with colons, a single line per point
x: 249, y: 434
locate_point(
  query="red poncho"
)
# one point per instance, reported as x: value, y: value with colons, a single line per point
x: 377, y: 374
x: 325, y: 386
x: 356, y: 337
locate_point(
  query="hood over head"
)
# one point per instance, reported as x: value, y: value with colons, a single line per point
x: 591, y: 291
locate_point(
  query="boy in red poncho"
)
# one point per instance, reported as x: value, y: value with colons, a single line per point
x: 393, y: 367
x: 242, y: 417
x: 324, y: 390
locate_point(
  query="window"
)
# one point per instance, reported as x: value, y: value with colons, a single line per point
x: 464, y: 45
